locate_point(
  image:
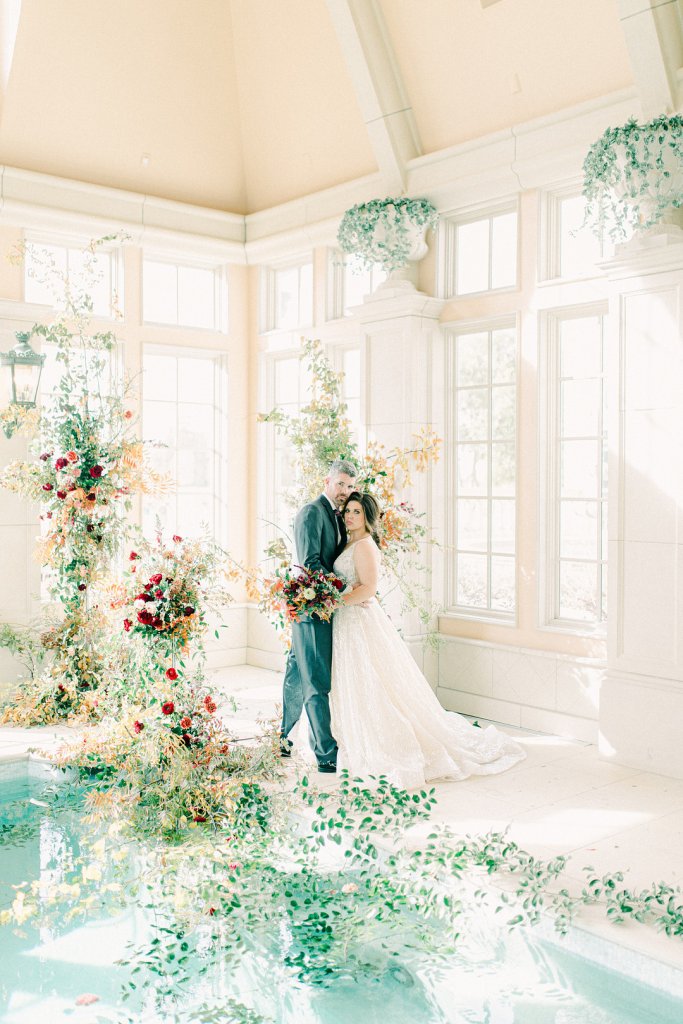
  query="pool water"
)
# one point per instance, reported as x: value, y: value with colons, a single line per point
x: 496, y: 977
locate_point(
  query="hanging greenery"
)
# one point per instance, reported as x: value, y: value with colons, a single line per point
x: 633, y: 174
x: 382, y: 230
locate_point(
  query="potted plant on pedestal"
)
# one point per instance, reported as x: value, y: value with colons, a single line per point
x: 389, y: 231
x: 633, y: 177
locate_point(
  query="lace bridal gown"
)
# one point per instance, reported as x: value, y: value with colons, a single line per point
x: 385, y: 716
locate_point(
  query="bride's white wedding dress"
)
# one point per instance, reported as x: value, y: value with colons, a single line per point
x: 385, y: 717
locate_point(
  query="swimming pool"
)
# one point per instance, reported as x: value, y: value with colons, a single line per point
x: 49, y: 967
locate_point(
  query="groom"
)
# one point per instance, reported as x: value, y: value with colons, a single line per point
x: 319, y: 536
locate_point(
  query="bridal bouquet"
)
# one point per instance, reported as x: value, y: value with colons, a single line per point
x: 295, y: 593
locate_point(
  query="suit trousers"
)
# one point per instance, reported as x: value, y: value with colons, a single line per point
x: 307, y: 684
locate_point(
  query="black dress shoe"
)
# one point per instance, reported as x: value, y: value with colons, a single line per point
x: 328, y: 767
x: 285, y: 747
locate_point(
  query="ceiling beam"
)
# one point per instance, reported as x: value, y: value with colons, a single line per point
x: 653, y: 30
x: 376, y: 79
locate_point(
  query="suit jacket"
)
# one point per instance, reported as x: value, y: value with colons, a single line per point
x: 315, y: 535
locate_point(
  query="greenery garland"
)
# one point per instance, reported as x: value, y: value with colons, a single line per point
x: 632, y: 175
x: 379, y: 231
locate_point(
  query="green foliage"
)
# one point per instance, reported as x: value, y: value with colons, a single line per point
x: 632, y: 175
x: 379, y: 231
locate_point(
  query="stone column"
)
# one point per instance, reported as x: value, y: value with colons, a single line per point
x: 403, y: 393
x: 641, y: 706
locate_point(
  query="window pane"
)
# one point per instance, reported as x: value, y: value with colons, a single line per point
x: 160, y: 422
x: 580, y: 402
x: 579, y: 469
x: 287, y: 297
x: 194, y: 511
x: 91, y: 274
x: 579, y: 247
x: 195, y: 425
x: 504, y: 251
x: 357, y: 285
x: 159, y: 292
x: 578, y: 591
x: 472, y: 524
x: 502, y: 469
x: 503, y: 526
x: 503, y: 356
x: 305, y: 295
x: 195, y: 380
x: 503, y: 584
x: 472, y: 257
x: 578, y: 529
x: 472, y: 588
x: 351, y: 367
x: 503, y: 412
x: 287, y: 381
x: 196, y: 297
x: 195, y: 468
x: 473, y: 414
x: 581, y: 347
x: 472, y: 354
x: 472, y: 469
x: 160, y: 377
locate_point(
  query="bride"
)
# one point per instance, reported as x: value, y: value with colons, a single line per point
x: 385, y: 716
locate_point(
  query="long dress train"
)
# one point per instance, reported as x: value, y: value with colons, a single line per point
x: 385, y: 717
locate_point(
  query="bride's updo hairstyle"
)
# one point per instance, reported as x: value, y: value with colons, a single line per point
x: 371, y: 510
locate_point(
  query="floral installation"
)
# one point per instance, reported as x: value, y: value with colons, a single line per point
x: 632, y: 176
x: 86, y: 466
x: 296, y: 593
x: 320, y: 433
x: 19, y: 419
x: 379, y: 231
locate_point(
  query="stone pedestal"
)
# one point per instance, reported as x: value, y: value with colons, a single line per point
x: 641, y: 707
x: 403, y: 356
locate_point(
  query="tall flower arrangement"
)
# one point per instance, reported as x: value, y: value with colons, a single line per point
x: 85, y: 466
x: 322, y: 432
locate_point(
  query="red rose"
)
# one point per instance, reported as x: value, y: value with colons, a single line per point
x: 95, y: 472
x: 157, y: 622
x: 127, y: 624
x: 47, y: 487
x: 60, y: 463
x: 61, y: 494
x: 185, y: 722
x: 132, y: 555
x: 200, y: 817
x: 339, y: 584
x: 138, y: 726
x: 145, y: 618
x: 168, y: 708
x: 61, y: 688
x: 188, y: 610
x: 176, y: 538
x: 147, y: 586
x: 156, y: 578
x: 171, y: 673
x: 158, y: 593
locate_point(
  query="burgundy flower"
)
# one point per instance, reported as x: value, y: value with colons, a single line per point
x: 48, y: 487
x: 187, y: 740
x: 147, y: 586
x: 138, y: 726
x: 91, y: 497
x: 157, y: 622
x: 44, y: 457
x: 168, y: 708
x: 61, y: 463
x: 61, y: 494
x: 339, y: 584
x: 132, y: 555
x: 81, y: 586
x: 145, y: 618
x: 127, y: 624
x: 156, y: 578
x: 171, y: 673
x: 158, y: 593
x: 212, y: 911
x: 61, y: 688
x: 188, y: 610
x: 201, y: 817
x: 89, y: 527
x: 96, y: 472
x: 176, y: 538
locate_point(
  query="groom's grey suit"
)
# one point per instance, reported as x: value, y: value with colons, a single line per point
x: 309, y: 666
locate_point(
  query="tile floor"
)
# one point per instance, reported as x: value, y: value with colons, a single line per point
x: 563, y: 799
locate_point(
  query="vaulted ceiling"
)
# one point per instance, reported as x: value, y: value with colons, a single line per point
x: 241, y: 105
